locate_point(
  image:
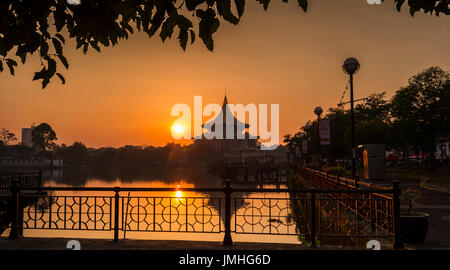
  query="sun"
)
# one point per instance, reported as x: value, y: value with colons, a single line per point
x: 178, y: 128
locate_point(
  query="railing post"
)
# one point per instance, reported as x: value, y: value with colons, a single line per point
x: 40, y: 179
x: 227, y: 241
x: 396, y: 191
x: 371, y: 208
x: 313, y: 216
x: 116, y: 213
x: 356, y: 181
x: 14, y: 208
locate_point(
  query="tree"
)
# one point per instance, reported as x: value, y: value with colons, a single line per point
x: 43, y: 137
x: 423, y: 107
x: 25, y: 25
x: 375, y: 107
x: 6, y: 136
x: 73, y: 154
x: 339, y: 125
x: 372, y: 120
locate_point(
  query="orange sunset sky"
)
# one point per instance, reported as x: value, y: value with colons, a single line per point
x: 124, y: 95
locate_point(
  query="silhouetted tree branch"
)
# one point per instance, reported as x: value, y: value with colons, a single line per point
x: 35, y: 26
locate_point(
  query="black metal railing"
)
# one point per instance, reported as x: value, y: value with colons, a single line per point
x: 25, y: 179
x: 302, y: 212
x: 376, y: 208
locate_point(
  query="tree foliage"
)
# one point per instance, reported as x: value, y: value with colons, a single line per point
x: 43, y: 137
x: 7, y: 136
x: 73, y: 154
x: 422, y: 108
x: 29, y: 27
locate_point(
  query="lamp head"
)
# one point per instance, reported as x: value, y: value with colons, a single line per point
x: 318, y: 111
x: 351, y: 65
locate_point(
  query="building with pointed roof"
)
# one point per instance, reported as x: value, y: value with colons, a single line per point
x: 229, y: 145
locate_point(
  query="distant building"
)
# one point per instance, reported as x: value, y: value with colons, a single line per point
x: 233, y: 145
x: 234, y: 150
x: 26, y: 136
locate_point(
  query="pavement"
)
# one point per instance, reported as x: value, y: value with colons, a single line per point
x: 437, y: 204
x: 107, y: 244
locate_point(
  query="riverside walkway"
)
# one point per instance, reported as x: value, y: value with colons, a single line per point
x: 106, y: 244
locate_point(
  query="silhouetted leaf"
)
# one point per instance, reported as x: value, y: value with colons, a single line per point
x: 167, y: 28
x: 57, y: 45
x: 44, y: 49
x: 207, y: 26
x: 23, y: 58
x: 45, y: 81
x: 63, y: 60
x: 95, y: 45
x: 192, y: 36
x: 399, y: 4
x: 51, y: 67
x: 205, y: 34
x: 156, y: 21
x: 3, y: 51
x: 61, y: 77
x: 22, y: 53
x: 240, y: 6
x: 265, y: 3
x: 183, y: 22
x: 192, y: 4
x: 442, y: 7
x: 303, y: 4
x: 224, y: 9
x: 183, y: 37
x: 11, y: 64
x: 60, y: 38
x: 1, y: 65
x: 40, y: 75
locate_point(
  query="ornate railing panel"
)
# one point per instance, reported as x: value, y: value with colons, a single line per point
x: 172, y: 214
x: 267, y: 215
x: 68, y: 213
x: 371, y: 207
x: 353, y: 217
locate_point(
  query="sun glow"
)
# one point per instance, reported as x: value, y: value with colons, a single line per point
x: 178, y: 128
x: 178, y: 193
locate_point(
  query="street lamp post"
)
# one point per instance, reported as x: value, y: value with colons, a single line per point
x: 351, y: 66
x: 318, y: 111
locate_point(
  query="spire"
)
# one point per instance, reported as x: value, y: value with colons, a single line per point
x: 225, y: 101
